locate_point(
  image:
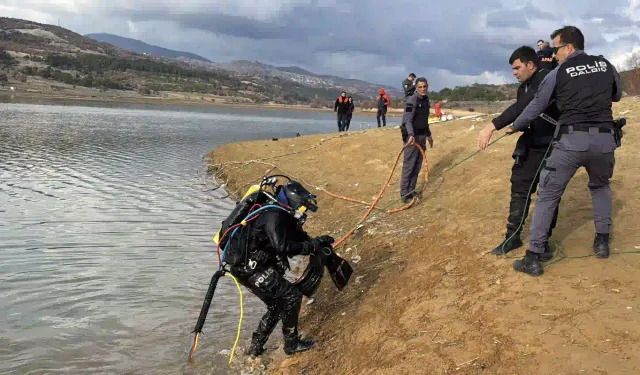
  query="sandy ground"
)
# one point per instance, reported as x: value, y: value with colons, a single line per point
x: 426, y: 298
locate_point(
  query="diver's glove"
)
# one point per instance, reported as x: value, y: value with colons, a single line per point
x: 326, y: 240
x: 311, y: 247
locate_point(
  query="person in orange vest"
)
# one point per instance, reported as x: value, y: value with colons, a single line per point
x: 383, y: 102
x: 342, y: 108
x: 437, y: 110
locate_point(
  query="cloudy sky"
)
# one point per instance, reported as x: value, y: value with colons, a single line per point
x: 454, y: 42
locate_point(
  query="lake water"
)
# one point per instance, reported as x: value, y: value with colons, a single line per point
x: 106, y: 220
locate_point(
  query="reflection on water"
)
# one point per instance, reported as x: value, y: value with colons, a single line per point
x: 106, y: 219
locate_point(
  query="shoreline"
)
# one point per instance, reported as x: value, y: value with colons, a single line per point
x: 38, y: 90
x: 424, y: 291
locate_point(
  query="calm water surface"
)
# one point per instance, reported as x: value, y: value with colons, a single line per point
x: 106, y: 220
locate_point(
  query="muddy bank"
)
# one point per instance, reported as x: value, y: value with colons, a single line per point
x: 426, y: 298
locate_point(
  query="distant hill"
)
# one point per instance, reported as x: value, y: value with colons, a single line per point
x: 138, y: 46
x: 316, y: 85
x: 356, y: 87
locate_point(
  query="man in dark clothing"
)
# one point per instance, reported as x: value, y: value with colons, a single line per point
x: 531, y: 149
x: 341, y: 107
x: 584, y: 88
x: 382, y: 102
x: 408, y: 86
x: 546, y: 60
x: 265, y: 244
x: 350, y: 110
x: 415, y: 129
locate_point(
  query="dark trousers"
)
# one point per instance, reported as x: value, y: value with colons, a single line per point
x: 524, y: 174
x: 382, y: 113
x: 283, y: 300
x: 348, y: 122
x: 342, y: 121
x: 411, y: 164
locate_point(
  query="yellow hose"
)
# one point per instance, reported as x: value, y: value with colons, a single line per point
x: 241, y: 317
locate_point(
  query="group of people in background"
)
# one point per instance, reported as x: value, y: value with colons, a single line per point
x: 344, y: 107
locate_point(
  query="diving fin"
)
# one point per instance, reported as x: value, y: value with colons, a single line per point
x: 339, y: 269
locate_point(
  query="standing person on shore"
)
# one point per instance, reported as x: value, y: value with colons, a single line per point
x: 408, y: 86
x: 341, y: 107
x: 350, y: 110
x: 382, y: 102
x: 584, y: 87
x: 530, y: 151
x: 415, y: 129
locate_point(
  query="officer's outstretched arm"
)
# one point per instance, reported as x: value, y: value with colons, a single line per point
x: 539, y: 102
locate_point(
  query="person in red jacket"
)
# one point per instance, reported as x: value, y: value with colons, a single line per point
x: 383, y: 102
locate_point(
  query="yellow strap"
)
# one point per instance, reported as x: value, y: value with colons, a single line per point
x: 241, y: 317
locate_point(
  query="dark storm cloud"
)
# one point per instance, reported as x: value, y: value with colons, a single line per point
x: 374, y: 39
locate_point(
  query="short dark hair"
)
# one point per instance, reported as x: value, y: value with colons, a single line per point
x: 541, y: 41
x: 525, y: 54
x: 421, y: 79
x: 570, y: 35
x: 344, y: 92
x: 412, y: 75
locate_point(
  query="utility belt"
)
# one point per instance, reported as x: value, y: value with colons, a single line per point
x: 416, y: 130
x: 586, y: 129
x: 615, y: 129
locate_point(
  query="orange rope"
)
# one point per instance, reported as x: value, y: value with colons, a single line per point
x: 345, y: 198
x: 384, y: 188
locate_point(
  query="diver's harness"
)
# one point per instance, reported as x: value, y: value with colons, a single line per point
x: 245, y: 211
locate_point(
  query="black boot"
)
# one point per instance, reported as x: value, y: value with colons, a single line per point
x: 297, y: 345
x: 530, y: 264
x: 294, y: 343
x: 548, y: 253
x: 601, y: 245
x: 511, y: 242
x: 257, y: 345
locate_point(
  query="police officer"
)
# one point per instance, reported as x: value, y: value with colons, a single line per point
x: 266, y: 243
x: 546, y: 59
x: 584, y: 88
x: 531, y: 149
x: 408, y: 86
x: 415, y: 129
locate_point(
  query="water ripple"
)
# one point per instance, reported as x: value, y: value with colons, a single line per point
x: 106, y: 222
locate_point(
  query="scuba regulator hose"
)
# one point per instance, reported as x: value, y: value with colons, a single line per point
x: 205, y: 309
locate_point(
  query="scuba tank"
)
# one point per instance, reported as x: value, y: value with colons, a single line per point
x: 255, y: 195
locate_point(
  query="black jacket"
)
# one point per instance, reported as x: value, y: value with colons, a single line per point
x: 408, y: 87
x: 584, y: 90
x: 341, y: 105
x: 583, y: 87
x: 546, y: 60
x: 540, y: 133
x: 351, y: 108
x: 415, y: 120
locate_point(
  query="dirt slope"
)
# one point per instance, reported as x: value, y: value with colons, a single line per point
x: 426, y: 298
